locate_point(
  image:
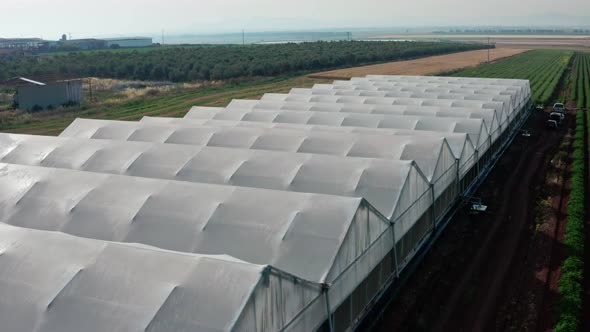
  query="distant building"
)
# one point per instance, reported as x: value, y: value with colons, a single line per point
x: 128, y: 42
x: 85, y: 44
x: 34, y: 96
x: 40, y: 45
x: 22, y: 43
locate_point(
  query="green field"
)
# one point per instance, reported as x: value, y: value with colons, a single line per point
x: 544, y: 68
x: 580, y: 80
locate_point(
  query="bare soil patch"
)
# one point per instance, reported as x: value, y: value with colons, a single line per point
x: 423, y: 66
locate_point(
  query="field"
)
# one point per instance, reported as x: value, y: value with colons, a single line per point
x: 544, y: 68
x: 580, y: 81
x: 426, y: 66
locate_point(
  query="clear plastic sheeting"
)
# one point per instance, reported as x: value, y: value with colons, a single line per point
x: 383, y: 183
x: 54, y: 282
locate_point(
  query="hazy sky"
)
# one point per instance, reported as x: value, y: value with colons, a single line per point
x: 85, y: 18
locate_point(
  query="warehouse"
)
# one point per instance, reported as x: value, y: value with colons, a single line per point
x: 294, y: 213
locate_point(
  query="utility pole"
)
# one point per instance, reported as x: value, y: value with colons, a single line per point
x: 243, y: 37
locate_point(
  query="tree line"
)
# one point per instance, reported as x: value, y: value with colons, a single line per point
x: 220, y: 62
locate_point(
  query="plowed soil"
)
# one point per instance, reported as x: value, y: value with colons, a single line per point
x: 495, y: 271
x: 424, y: 66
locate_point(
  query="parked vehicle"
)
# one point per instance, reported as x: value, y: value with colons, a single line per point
x: 551, y: 124
x: 559, y: 107
x: 557, y: 117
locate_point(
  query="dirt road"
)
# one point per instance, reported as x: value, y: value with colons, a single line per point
x: 485, y: 272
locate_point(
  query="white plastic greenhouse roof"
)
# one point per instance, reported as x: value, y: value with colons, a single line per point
x: 491, y: 117
x: 438, y: 111
x: 448, y: 80
x: 432, y: 154
x: 475, y: 128
x: 460, y: 144
x: 299, y: 233
x: 504, y: 103
x: 498, y: 106
x: 383, y: 183
x: 512, y: 99
x: 515, y: 93
x: 54, y: 282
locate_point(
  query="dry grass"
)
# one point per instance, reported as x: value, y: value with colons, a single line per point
x: 424, y: 66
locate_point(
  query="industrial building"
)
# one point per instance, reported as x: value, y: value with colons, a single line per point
x: 35, y: 96
x: 21, y: 43
x: 296, y: 212
x: 128, y: 42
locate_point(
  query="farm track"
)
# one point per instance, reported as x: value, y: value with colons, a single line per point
x: 482, y: 263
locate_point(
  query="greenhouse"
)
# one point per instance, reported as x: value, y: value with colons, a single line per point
x: 515, y: 93
x: 523, y: 85
x: 433, y: 155
x: 475, y: 128
x: 316, y: 238
x: 298, y: 212
x: 461, y: 146
x: 482, y: 95
x: 505, y: 107
x: 495, y: 122
x: 406, y: 94
x: 384, y: 183
x: 51, y: 281
x: 438, y: 102
x: 434, y: 111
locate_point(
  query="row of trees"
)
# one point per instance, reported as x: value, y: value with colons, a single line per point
x: 207, y: 62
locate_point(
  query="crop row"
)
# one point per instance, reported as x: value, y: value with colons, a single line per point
x: 544, y: 69
x: 570, y: 285
x: 580, y: 89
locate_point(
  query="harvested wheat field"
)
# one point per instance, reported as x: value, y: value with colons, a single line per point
x: 424, y: 66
